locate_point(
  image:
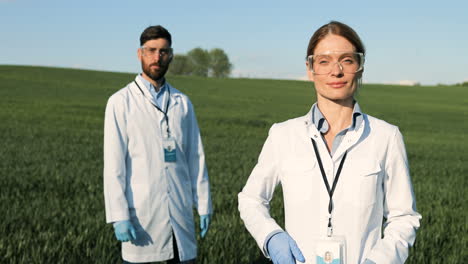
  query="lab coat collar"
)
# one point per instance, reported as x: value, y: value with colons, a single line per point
x: 352, y: 136
x: 174, y: 94
x: 140, y: 88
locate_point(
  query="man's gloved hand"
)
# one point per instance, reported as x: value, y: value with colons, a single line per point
x: 283, y: 249
x: 124, y: 231
x: 204, y: 224
x: 368, y: 261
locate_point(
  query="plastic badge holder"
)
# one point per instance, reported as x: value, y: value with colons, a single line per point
x: 331, y: 250
x: 169, y: 146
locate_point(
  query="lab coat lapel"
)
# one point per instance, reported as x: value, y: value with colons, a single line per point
x: 312, y: 131
x: 172, y: 97
x: 141, y: 89
x: 351, y: 139
x: 325, y: 157
x: 314, y: 134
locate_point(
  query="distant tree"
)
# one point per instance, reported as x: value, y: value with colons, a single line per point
x: 181, y: 65
x: 219, y: 63
x: 200, y: 61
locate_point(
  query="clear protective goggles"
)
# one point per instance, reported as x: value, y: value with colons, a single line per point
x: 324, y: 63
x: 151, y: 52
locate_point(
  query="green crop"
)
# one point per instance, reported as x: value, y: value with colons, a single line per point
x: 51, y: 128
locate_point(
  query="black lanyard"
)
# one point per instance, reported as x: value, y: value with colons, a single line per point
x: 160, y: 110
x: 335, y: 181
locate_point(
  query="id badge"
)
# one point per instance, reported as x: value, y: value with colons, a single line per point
x: 169, y: 146
x: 331, y: 250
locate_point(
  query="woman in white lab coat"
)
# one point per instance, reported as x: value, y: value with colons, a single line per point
x: 342, y: 172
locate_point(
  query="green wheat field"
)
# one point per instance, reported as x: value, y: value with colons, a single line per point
x: 51, y: 189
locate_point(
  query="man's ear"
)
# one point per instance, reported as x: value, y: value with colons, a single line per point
x: 139, y: 55
x: 170, y: 59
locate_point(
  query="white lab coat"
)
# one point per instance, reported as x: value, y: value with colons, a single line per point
x: 374, y: 183
x: 157, y: 196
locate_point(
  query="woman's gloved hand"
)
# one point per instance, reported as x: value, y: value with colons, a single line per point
x: 283, y: 249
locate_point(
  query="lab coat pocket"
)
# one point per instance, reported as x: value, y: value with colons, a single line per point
x: 297, y: 178
x: 367, y: 183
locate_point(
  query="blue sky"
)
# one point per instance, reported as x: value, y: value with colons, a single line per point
x: 423, y: 41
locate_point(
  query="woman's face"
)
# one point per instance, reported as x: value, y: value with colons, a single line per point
x: 335, y: 85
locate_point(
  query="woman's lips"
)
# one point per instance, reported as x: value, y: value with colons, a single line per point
x: 336, y: 84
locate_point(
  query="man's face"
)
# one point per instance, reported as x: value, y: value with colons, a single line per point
x: 155, y: 56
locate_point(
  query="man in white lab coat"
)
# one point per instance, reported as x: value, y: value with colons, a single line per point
x: 154, y: 164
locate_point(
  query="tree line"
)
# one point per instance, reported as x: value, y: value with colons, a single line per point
x: 200, y: 62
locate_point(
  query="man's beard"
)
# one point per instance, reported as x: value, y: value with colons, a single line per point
x: 155, y: 75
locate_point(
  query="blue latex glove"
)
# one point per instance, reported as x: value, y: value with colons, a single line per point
x: 124, y: 231
x: 367, y: 261
x: 283, y: 249
x: 204, y: 224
